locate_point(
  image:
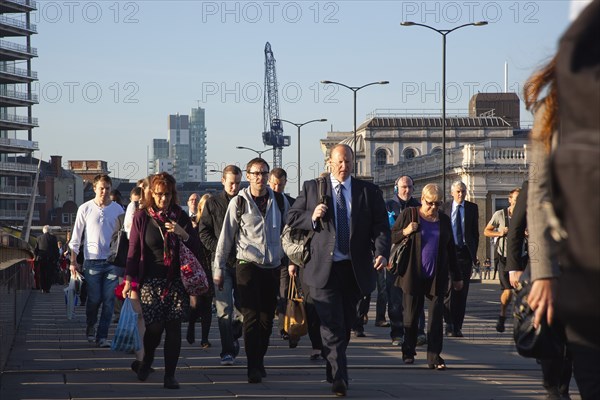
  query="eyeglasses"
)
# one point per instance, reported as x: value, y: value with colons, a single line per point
x: 434, y: 203
x: 256, y: 174
x: 160, y: 194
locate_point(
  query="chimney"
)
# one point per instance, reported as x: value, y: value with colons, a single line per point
x: 55, y: 162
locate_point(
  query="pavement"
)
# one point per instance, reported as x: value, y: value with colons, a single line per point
x: 51, y: 359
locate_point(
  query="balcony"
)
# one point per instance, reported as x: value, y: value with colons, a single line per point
x: 13, y: 98
x: 17, y: 215
x: 14, y: 51
x: 16, y: 191
x: 14, y: 27
x: 17, y: 122
x: 11, y: 74
x: 17, y: 168
x: 17, y: 146
x: 16, y: 6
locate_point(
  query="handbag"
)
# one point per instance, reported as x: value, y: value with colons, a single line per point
x: 545, y: 342
x: 127, y: 337
x: 400, y: 251
x: 296, y: 242
x: 192, y: 274
x: 118, y: 249
x: 71, y: 292
x: 294, y: 321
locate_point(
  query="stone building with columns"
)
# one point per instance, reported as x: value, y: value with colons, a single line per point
x: 486, y: 152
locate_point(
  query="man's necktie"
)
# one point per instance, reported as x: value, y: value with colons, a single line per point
x: 458, y: 223
x: 343, y: 230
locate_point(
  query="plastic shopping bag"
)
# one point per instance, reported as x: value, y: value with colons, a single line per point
x: 71, y: 293
x: 127, y: 337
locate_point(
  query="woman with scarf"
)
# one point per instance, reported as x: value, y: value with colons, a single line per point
x: 153, y: 260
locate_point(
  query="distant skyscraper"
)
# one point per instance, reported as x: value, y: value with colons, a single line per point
x: 183, y: 153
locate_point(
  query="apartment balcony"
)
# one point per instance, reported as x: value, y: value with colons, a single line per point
x: 17, y: 215
x: 17, y: 146
x: 17, y: 6
x: 17, y: 168
x: 11, y: 74
x: 17, y: 122
x: 13, y: 98
x: 20, y: 192
x: 14, y: 27
x: 13, y: 51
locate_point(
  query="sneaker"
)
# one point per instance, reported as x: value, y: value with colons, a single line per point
x: 205, y: 344
x: 421, y: 339
x: 382, y: 324
x: 227, y: 359
x: 397, y: 341
x: 90, y: 332
x: 104, y: 343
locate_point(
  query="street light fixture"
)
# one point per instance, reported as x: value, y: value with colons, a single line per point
x: 259, y: 152
x: 444, y: 33
x: 300, y: 126
x: 354, y: 90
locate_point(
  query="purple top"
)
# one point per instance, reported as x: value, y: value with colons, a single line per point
x: 430, y: 239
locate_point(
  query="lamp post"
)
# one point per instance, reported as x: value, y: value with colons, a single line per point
x: 259, y: 152
x: 354, y: 90
x: 300, y: 126
x: 444, y: 33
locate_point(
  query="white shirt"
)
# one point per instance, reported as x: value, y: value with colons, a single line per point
x: 98, y: 224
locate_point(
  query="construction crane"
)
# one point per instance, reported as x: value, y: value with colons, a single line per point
x: 273, y: 131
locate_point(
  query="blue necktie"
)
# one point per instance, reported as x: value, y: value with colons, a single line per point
x: 343, y: 230
x: 458, y: 223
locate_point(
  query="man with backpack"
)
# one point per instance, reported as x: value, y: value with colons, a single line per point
x: 252, y: 226
x: 498, y: 228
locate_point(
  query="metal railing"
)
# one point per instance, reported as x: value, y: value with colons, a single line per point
x: 17, y: 167
x: 20, y: 190
x: 13, y: 94
x: 9, y: 69
x: 17, y: 214
x: 19, y: 143
x: 18, y: 24
x: 30, y: 3
x: 18, y: 47
x: 20, y: 119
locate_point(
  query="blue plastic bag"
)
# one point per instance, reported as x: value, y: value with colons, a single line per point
x: 127, y: 337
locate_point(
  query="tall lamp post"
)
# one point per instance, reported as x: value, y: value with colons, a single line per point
x: 300, y: 126
x: 354, y: 90
x: 259, y: 152
x: 444, y: 33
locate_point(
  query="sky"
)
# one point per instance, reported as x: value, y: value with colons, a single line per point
x: 112, y: 71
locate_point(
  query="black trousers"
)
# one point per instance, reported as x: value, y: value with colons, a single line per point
x: 413, y: 307
x: 47, y: 274
x: 336, y: 305
x: 257, y: 288
x: 455, y: 303
x: 314, y: 323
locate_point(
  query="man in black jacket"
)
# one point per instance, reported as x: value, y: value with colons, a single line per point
x: 211, y: 223
x: 46, y: 254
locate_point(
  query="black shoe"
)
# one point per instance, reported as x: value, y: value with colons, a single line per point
x: 254, y: 376
x: 359, y: 333
x: 171, y: 383
x: 500, y: 324
x: 339, y: 387
x: 135, y: 366
x: 263, y: 371
x: 458, y: 333
x: 450, y: 333
x: 293, y: 342
x: 143, y: 372
x: 191, y: 333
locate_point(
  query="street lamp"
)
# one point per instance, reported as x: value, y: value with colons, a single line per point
x: 259, y: 152
x: 300, y: 126
x: 444, y: 33
x: 354, y: 90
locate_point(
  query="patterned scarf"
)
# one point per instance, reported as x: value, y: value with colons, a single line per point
x: 171, y: 241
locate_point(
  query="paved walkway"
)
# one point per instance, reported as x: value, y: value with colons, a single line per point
x: 51, y: 359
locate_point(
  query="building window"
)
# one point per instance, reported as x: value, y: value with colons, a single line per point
x: 66, y: 219
x: 409, y: 153
x: 380, y: 158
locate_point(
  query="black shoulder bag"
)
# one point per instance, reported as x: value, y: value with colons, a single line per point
x: 400, y: 251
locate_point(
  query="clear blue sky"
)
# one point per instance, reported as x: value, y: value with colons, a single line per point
x: 111, y: 72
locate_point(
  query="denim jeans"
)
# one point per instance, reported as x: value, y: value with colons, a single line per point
x: 101, y: 278
x: 225, y: 303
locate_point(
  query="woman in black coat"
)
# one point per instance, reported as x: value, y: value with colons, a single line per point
x: 432, y: 256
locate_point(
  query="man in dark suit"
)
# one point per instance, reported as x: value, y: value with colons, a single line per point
x: 464, y: 216
x: 46, y: 254
x: 350, y: 231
